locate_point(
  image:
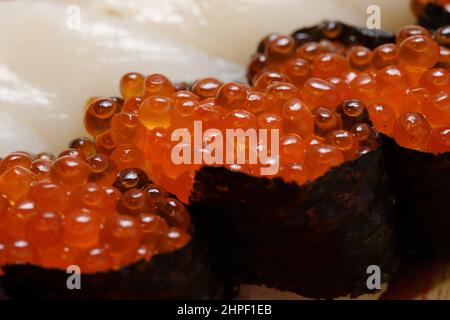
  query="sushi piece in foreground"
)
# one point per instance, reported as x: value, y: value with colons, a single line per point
x: 315, y: 240
x: 295, y: 132
x: 323, y: 189
x: 126, y: 235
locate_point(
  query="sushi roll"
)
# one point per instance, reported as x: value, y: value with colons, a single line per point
x: 416, y: 134
x: 405, y: 86
x: 314, y: 214
x: 285, y: 233
x: 314, y: 240
x: 83, y: 212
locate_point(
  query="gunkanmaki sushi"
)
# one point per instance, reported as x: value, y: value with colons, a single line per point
x: 126, y: 236
x: 274, y: 239
x: 284, y: 181
x: 405, y: 87
x: 416, y: 128
x: 306, y: 231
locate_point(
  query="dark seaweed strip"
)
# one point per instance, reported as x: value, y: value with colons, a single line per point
x: 421, y: 182
x: 349, y: 35
x: 315, y: 240
x: 434, y: 16
x: 183, y: 274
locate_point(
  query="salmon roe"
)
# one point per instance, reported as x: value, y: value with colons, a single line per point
x: 107, y: 202
x: 81, y: 208
x: 321, y: 97
x: 403, y: 87
x: 302, y: 95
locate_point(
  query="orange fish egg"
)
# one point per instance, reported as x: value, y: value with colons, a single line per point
x: 412, y: 131
x: 320, y: 93
x: 440, y: 140
x: 329, y: 65
x: 81, y: 228
x: 158, y: 85
x: 15, y: 182
x: 437, y: 109
x: 70, y: 170
x: 206, y: 88
x: 231, y: 96
x: 98, y: 116
x: 279, y: 50
x: 155, y: 112
x: 131, y: 85
x: 128, y: 156
x: 384, y: 56
x: 122, y: 233
x: 383, y: 117
x: 319, y: 158
x: 267, y: 78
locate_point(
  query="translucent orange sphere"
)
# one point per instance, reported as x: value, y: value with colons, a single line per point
x: 440, y: 140
x: 122, y: 233
x: 412, y: 131
x: 320, y: 93
x: 319, y: 158
x: 437, y: 109
x: 155, y: 111
x: 81, y: 228
x: 131, y: 85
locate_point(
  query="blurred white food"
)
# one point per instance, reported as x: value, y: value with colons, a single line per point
x: 232, y: 28
x: 47, y: 70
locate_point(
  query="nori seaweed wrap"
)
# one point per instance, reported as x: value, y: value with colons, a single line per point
x: 433, y: 16
x: 419, y: 179
x: 183, y: 274
x: 315, y: 240
x: 130, y: 241
x: 343, y: 33
x: 421, y: 183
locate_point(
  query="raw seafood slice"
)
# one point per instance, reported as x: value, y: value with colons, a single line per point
x: 47, y: 70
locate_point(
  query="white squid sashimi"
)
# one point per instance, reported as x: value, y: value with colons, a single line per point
x: 231, y: 29
x: 48, y: 70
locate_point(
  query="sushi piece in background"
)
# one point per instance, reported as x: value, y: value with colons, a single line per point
x: 405, y: 85
x: 417, y: 140
x: 431, y: 14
